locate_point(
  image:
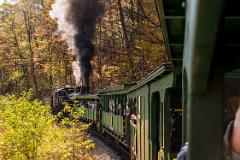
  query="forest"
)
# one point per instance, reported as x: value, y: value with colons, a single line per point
x: 128, y: 46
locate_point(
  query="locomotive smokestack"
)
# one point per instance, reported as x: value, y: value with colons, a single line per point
x: 77, y: 23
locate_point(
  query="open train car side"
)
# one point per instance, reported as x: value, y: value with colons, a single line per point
x: 90, y: 104
x: 156, y: 101
x: 113, y: 112
x: 64, y: 96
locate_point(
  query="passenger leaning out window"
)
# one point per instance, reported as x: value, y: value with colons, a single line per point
x: 232, y: 139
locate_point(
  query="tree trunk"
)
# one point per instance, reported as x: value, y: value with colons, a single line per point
x: 23, y: 66
x: 29, y: 32
x: 122, y: 20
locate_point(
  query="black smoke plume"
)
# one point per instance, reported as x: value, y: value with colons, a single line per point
x: 78, y: 22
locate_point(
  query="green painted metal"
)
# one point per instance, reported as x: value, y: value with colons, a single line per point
x: 113, y: 122
x: 140, y: 128
x: 160, y: 72
x: 122, y: 89
x: 143, y: 94
x: 85, y: 113
x: 77, y: 96
x: 145, y: 129
x: 200, y: 41
x: 205, y: 119
x: 184, y: 107
x: 172, y: 18
x: 203, y: 80
x: 90, y: 114
x: 167, y: 81
x: 165, y: 112
x: 142, y: 121
x: 95, y: 114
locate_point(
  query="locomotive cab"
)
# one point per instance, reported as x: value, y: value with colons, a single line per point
x: 59, y: 98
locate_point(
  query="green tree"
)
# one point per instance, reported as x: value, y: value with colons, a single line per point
x: 29, y: 131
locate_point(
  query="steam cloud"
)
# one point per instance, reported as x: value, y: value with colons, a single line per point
x: 77, y: 23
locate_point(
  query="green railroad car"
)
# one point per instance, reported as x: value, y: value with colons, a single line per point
x: 113, y: 112
x: 90, y: 103
x: 64, y: 96
x: 149, y: 119
x: 156, y: 100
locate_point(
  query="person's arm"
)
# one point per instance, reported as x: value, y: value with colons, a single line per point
x: 235, y: 140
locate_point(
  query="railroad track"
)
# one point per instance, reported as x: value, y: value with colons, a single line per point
x: 117, y: 147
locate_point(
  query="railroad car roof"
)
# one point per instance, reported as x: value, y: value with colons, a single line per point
x: 121, y: 89
x: 125, y: 88
x: 161, y: 71
x: 172, y: 18
x: 87, y: 96
x: 67, y: 89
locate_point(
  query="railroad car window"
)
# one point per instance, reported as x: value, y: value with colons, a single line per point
x: 62, y: 93
x: 70, y: 90
x: 77, y: 89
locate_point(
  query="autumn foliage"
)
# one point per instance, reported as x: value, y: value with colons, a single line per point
x: 28, y: 130
x: 128, y: 40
